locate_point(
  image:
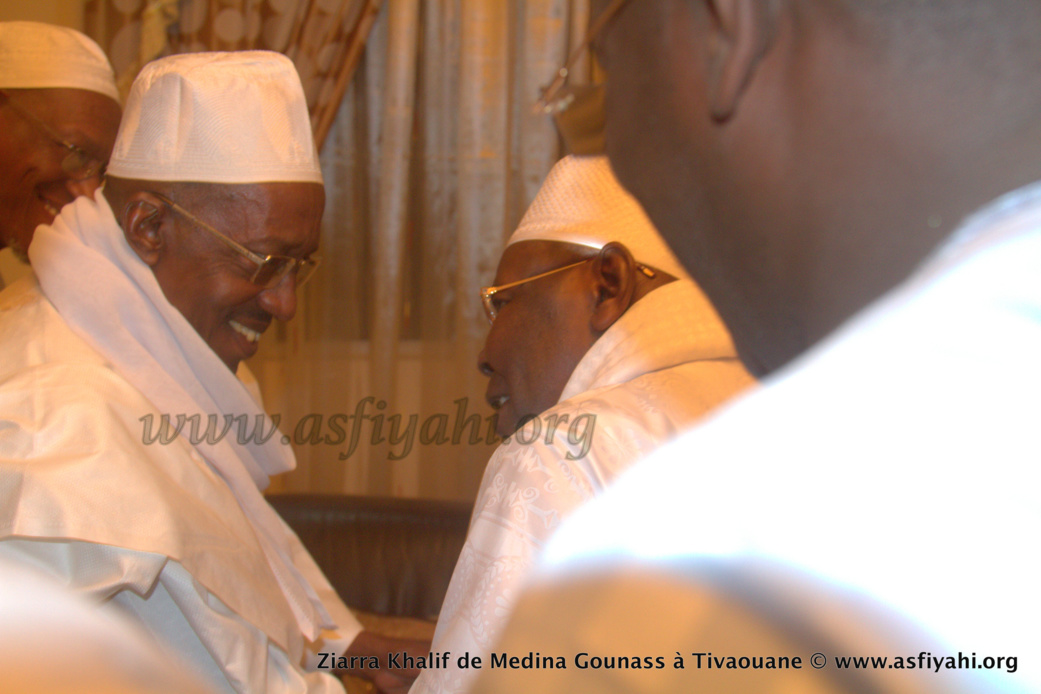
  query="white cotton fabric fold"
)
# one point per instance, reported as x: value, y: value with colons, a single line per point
x: 581, y: 202
x: 664, y: 363
x: 111, y: 299
x: 34, y: 55
x: 223, y: 117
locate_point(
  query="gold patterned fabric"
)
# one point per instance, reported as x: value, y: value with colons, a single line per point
x: 324, y: 38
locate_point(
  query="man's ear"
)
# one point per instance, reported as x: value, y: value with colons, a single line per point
x: 615, y: 272
x: 742, y: 32
x: 142, y: 222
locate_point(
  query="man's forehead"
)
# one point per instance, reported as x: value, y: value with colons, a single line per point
x: 72, y: 113
x: 58, y: 105
x: 269, y: 217
x: 527, y: 258
x: 606, y: 11
x: 596, y: 8
x: 270, y: 196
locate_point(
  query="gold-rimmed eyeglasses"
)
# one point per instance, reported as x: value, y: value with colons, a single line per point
x: 556, y: 97
x: 492, y: 310
x: 77, y: 163
x: 271, y: 269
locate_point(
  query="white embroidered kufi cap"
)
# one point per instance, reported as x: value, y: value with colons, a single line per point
x: 581, y: 202
x: 235, y: 117
x: 34, y: 55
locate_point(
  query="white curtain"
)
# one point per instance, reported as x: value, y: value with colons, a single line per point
x: 432, y: 160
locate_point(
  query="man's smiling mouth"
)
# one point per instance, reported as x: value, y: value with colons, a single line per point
x: 51, y: 208
x: 251, y: 335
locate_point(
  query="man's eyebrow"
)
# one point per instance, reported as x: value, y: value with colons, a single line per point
x: 81, y: 139
x: 290, y: 247
x: 274, y: 247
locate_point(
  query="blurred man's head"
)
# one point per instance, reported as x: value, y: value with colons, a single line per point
x: 59, y: 112
x: 215, y: 181
x: 803, y: 156
x: 583, y: 254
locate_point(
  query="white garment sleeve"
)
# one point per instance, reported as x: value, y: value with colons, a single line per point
x: 186, y: 620
x: 348, y: 627
x: 100, y: 651
x: 526, y: 491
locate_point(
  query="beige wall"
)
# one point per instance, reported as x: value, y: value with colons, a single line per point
x: 65, y: 12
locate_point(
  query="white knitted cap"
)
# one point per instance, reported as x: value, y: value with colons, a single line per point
x: 236, y: 117
x: 34, y: 55
x: 581, y: 202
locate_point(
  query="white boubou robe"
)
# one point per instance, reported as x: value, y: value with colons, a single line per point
x: 176, y: 535
x: 666, y: 362
x: 876, y: 497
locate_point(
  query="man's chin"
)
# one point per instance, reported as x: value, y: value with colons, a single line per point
x: 504, y: 426
x: 18, y: 248
x: 231, y: 361
x: 515, y: 424
x: 20, y: 253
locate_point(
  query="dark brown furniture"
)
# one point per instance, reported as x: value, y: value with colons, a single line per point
x: 382, y: 555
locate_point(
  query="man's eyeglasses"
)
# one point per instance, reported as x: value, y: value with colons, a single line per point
x: 271, y: 269
x: 490, y: 308
x: 78, y: 164
x: 556, y: 97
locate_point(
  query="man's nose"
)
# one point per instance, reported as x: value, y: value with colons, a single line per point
x: 280, y: 300
x: 86, y: 186
x: 482, y: 364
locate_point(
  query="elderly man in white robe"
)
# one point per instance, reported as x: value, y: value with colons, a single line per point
x: 868, y: 519
x: 59, y: 113
x: 144, y: 302
x: 601, y: 348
